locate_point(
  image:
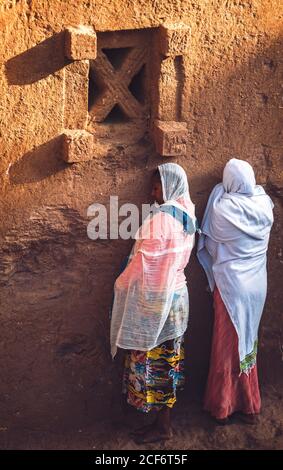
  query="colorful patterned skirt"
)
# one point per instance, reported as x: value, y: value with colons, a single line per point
x: 151, y: 378
x: 228, y: 391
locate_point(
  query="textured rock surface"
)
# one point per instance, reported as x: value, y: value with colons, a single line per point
x: 75, y: 97
x: 174, y: 39
x: 80, y: 43
x: 77, y: 146
x: 170, y: 138
x: 56, y: 284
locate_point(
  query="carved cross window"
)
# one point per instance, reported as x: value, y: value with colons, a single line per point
x: 119, y: 94
x: 120, y: 84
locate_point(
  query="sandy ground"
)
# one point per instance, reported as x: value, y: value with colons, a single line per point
x: 193, y: 429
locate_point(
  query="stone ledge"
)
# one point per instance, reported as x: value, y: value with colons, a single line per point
x: 80, y: 43
x: 170, y: 138
x: 77, y: 146
x: 174, y: 39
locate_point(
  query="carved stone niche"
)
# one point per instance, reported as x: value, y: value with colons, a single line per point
x: 119, y: 87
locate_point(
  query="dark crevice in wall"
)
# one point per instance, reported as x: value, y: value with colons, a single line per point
x: 180, y: 77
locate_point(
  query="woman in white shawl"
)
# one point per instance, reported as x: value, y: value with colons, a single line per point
x: 232, y: 250
x: 151, y: 308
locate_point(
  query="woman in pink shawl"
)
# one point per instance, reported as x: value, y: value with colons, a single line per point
x: 151, y: 305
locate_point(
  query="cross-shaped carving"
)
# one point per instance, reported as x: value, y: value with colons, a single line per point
x: 114, y: 84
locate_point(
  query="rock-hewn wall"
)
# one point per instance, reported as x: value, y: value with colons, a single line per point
x: 55, y: 282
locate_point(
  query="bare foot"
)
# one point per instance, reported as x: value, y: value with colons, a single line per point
x: 154, y: 435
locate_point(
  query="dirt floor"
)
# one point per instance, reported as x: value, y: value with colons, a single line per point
x: 193, y: 429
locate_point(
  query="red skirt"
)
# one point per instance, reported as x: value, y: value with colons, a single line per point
x: 226, y: 390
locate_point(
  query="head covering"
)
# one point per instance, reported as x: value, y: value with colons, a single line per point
x: 174, y: 181
x: 239, y: 177
x: 232, y: 250
x: 145, y: 290
x: 175, y: 188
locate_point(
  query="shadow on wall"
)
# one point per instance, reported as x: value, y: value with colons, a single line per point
x: 33, y: 65
x: 38, y: 164
x: 38, y: 62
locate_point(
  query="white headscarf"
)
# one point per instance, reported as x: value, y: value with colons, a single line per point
x: 239, y: 177
x: 174, y: 181
x: 175, y: 188
x: 145, y: 289
x: 232, y: 250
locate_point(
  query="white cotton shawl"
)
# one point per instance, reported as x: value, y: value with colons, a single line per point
x: 232, y: 249
x: 143, y: 293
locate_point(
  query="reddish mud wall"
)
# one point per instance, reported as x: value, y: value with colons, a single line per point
x: 56, y: 283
